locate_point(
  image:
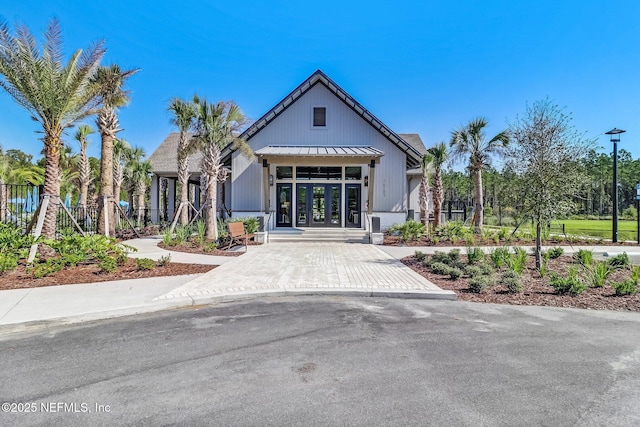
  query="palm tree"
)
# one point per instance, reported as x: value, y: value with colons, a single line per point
x: 84, y: 167
x: 140, y: 174
x: 184, y: 115
x: 121, y: 153
x: 134, y: 156
x: 425, y: 165
x: 470, y: 141
x: 109, y: 82
x: 55, y: 94
x: 216, y: 127
x: 439, y: 156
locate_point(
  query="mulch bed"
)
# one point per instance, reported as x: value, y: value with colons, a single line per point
x: 194, y: 248
x: 537, y: 291
x: 21, y: 278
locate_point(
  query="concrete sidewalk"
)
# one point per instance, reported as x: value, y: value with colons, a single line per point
x: 300, y: 268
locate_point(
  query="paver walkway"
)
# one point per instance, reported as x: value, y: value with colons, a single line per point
x: 312, y: 267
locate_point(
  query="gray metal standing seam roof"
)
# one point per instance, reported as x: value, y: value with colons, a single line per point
x: 319, y: 150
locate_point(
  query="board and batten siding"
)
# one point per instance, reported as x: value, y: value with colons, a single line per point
x: 344, y: 128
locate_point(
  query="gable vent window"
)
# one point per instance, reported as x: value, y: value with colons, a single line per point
x: 319, y: 116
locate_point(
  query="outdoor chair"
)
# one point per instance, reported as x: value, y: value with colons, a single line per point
x: 238, y: 235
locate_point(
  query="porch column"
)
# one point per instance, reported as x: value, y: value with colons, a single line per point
x: 265, y: 184
x: 372, y: 173
x: 171, y: 198
x: 154, y: 199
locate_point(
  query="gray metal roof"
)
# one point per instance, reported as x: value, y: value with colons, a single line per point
x: 415, y: 141
x: 319, y: 150
x: 165, y: 158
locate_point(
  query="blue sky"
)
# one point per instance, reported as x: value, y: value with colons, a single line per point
x: 420, y: 66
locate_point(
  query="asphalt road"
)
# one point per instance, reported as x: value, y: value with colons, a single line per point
x: 329, y: 361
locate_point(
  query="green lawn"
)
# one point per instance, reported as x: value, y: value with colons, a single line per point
x: 627, y: 230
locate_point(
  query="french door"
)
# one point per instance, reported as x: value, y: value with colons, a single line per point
x: 319, y: 205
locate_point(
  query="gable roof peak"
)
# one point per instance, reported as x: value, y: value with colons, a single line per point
x: 318, y: 76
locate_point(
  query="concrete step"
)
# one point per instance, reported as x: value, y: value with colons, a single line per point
x: 319, y: 235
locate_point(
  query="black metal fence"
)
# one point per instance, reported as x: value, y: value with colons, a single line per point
x: 19, y: 203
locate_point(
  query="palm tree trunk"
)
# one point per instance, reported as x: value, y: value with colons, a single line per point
x: 212, y: 221
x: 423, y: 200
x: 478, y: 216
x: 141, y: 193
x: 438, y: 195
x: 183, y: 180
x: 52, y: 145
x: 4, y: 203
x: 107, y: 121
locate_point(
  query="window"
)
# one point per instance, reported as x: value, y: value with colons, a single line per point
x: 319, y: 116
x: 284, y: 172
x: 353, y: 172
x: 318, y: 172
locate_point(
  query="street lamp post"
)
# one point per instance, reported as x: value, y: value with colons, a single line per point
x: 615, y: 138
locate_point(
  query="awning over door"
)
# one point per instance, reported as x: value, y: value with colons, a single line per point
x: 329, y: 154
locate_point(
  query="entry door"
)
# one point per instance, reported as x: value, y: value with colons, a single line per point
x: 352, y: 205
x: 283, y: 207
x: 319, y: 205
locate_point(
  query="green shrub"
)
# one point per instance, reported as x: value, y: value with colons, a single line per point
x: 630, y: 213
x: 410, y: 230
x: 14, y: 241
x: 555, y: 252
x: 518, y: 261
x: 450, y: 230
x: 619, y: 261
x: 108, y: 264
x: 628, y: 287
x: 209, y: 246
x: 454, y: 256
x: 52, y: 265
x: 420, y: 256
x: 439, y: 256
x: 8, y: 262
x: 512, y: 280
x: 455, y: 273
x: 499, y: 256
x: 598, y: 273
x: 250, y: 223
x: 479, y: 284
x: 201, y: 229
x: 635, y: 273
x: 470, y: 239
x: 440, y: 268
x: 473, y: 270
x: 474, y: 255
x: 584, y: 257
x: 486, y: 268
x: 513, y: 284
x: 145, y: 264
x: 164, y: 260
x: 570, y: 284
x: 167, y: 238
x: 182, y: 234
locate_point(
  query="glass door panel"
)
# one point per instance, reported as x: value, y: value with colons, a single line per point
x: 283, y: 207
x: 318, y: 205
x: 352, y: 207
x: 335, y: 206
x: 303, y: 216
